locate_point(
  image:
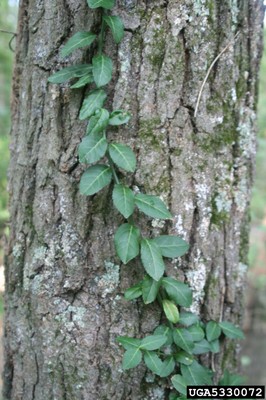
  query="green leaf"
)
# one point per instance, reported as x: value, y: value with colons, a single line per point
x: 92, y: 103
x: 183, y: 339
x: 131, y: 359
x: 215, y: 346
x: 196, y: 332
x: 184, y: 358
x: 83, y: 81
x: 123, y: 199
x: 188, y: 318
x: 150, y: 289
x: 167, y: 367
x: 127, y: 242
x: 134, y: 291
x: 75, y: 71
x: 179, y: 384
x: 196, y: 375
x: 98, y: 122
x: 102, y: 69
x: 153, y: 342
x: 94, y: 179
x: 123, y: 156
x: 108, y: 4
x: 116, y: 25
x: 201, y: 347
x: 77, y: 41
x: 152, y: 206
x: 164, y: 330
x: 172, y: 246
x: 231, y: 331
x: 92, y: 148
x: 152, y: 259
x: 231, y: 380
x: 119, y: 117
x: 179, y: 292
x: 171, y: 311
x: 153, y: 362
x: 128, y: 342
x: 213, y: 331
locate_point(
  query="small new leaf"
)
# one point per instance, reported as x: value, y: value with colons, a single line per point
x: 179, y: 384
x: 231, y: 331
x: 152, y: 259
x: 94, y: 179
x: 92, y: 148
x: 102, y: 68
x: 179, y: 292
x: 119, y: 117
x: 75, y: 71
x: 98, y: 122
x: 107, y: 4
x: 92, y: 103
x: 123, y: 199
x: 116, y: 25
x: 152, y: 206
x: 134, y: 291
x: 153, y: 362
x: 150, y: 289
x: 172, y: 246
x: 213, y: 331
x: 153, y: 342
x: 127, y: 242
x: 77, y: 41
x: 123, y: 156
x: 171, y: 311
x: 131, y: 358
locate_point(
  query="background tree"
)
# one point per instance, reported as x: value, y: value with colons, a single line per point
x: 65, y: 286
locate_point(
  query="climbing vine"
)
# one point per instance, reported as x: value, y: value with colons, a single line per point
x: 171, y: 351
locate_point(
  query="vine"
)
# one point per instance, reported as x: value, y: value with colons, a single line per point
x: 171, y: 350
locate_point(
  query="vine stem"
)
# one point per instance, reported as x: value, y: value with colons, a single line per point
x: 117, y: 181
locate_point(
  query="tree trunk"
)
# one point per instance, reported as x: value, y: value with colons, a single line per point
x: 64, y: 284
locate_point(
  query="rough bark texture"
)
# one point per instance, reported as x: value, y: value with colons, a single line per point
x: 64, y: 300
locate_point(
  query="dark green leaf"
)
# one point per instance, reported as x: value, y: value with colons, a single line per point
x: 152, y: 206
x: 123, y: 156
x: 153, y: 342
x: 119, y: 117
x: 201, y: 347
x: 183, y: 339
x: 108, y: 4
x: 171, y: 311
x: 127, y: 242
x: 128, y: 342
x: 83, y: 81
x: 92, y: 103
x: 230, y: 379
x: 134, y: 291
x: 231, y: 331
x: 179, y: 292
x: 153, y: 362
x: 75, y: 71
x: 184, y: 358
x: 167, y: 367
x: 116, y: 25
x: 196, y: 332
x: 150, y: 289
x: 164, y: 330
x: 123, y: 199
x: 94, y: 179
x: 172, y: 246
x: 77, y: 41
x: 98, y: 122
x: 92, y: 148
x: 213, y: 331
x: 196, y: 375
x: 132, y: 358
x: 102, y: 69
x: 188, y: 318
x: 152, y: 259
x: 215, y: 346
x: 179, y: 384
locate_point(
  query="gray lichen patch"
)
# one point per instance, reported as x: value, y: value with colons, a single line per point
x: 197, y: 281
x: 108, y: 282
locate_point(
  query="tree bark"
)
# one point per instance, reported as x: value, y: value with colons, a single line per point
x: 64, y: 284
